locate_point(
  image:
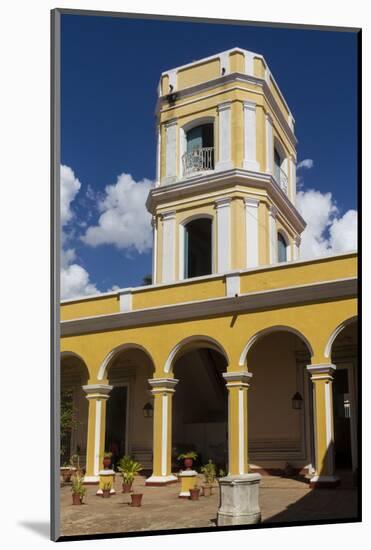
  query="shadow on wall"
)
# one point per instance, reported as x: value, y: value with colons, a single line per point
x: 320, y: 504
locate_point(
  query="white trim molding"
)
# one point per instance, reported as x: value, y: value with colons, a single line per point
x: 292, y: 179
x: 171, y: 128
x: 268, y: 144
x: 272, y: 235
x: 252, y: 231
x: 250, y: 161
x: 232, y: 281
x: 336, y: 332
x: 223, y: 223
x: 168, y: 247
x: 163, y: 384
x: 126, y: 300
x: 198, y: 340
x: 323, y: 371
x: 97, y: 391
x: 224, y: 158
x: 237, y: 378
x: 297, y: 243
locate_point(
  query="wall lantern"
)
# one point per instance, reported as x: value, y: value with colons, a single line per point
x: 148, y: 410
x: 297, y: 401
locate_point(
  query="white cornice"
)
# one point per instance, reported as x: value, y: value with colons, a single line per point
x: 229, y: 178
x: 325, y: 290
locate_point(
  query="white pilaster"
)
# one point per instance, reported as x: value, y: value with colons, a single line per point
x: 224, y: 160
x: 272, y: 235
x: 269, y: 144
x: 250, y: 162
x: 99, y: 393
x: 223, y: 216
x: 158, y: 156
x: 249, y: 63
x: 171, y: 131
x: 154, y: 252
x: 252, y: 231
x: 126, y: 300
x: 168, y: 247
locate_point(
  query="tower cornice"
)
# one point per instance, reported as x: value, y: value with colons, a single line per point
x: 226, y: 181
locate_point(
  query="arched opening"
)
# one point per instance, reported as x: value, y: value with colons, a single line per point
x: 198, y: 154
x: 281, y: 248
x: 128, y: 428
x: 73, y: 410
x: 345, y: 396
x: 198, y: 248
x: 280, y: 402
x: 200, y: 406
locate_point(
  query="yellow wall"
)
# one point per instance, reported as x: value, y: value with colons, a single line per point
x: 195, y: 74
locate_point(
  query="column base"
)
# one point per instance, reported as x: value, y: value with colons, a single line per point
x: 159, y: 481
x: 239, y: 500
x: 324, y: 482
x: 91, y: 480
x: 188, y: 479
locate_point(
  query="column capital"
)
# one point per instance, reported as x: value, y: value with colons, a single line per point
x: 321, y: 371
x: 237, y: 379
x: 249, y: 201
x: 273, y: 211
x: 298, y: 240
x: 97, y: 391
x: 168, y: 215
x: 221, y: 202
x: 172, y: 122
x: 251, y: 105
x: 225, y: 105
x: 161, y: 385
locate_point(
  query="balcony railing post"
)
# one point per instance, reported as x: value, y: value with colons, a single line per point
x: 198, y: 160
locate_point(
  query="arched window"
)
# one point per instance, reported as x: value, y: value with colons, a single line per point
x: 197, y: 248
x: 282, y: 248
x: 280, y: 167
x: 199, y: 153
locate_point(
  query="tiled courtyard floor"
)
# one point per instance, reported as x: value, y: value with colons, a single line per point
x: 281, y: 500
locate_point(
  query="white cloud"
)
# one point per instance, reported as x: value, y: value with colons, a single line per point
x: 70, y: 186
x: 125, y: 221
x: 74, y: 279
x: 306, y: 163
x: 327, y: 232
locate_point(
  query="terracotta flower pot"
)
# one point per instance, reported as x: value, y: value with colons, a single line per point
x: 126, y: 487
x: 107, y: 461
x: 188, y: 463
x: 136, y: 499
x: 76, y: 498
x: 106, y: 493
x: 195, y: 493
x: 206, y: 490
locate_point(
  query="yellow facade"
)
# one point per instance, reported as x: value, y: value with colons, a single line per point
x: 248, y: 294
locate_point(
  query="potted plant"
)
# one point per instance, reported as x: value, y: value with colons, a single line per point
x: 107, y: 459
x: 188, y: 459
x: 128, y: 469
x: 209, y: 471
x: 136, y: 499
x: 107, y: 489
x: 194, y: 493
x: 78, y: 489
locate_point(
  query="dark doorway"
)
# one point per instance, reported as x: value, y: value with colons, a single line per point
x: 342, y: 413
x: 116, y: 422
x: 197, y: 249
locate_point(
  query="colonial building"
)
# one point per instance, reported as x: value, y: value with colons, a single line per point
x: 239, y: 349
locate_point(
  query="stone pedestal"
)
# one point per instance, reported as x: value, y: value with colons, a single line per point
x: 239, y: 500
x: 188, y: 480
x: 106, y: 476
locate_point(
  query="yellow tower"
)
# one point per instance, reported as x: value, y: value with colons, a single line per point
x: 225, y: 193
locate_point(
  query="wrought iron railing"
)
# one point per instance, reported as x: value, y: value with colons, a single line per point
x: 198, y: 160
x: 281, y: 178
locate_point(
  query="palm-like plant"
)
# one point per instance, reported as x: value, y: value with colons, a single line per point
x: 128, y: 468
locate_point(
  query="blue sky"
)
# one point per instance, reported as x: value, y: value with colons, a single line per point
x: 110, y: 72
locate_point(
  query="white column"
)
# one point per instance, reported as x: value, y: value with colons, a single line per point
x: 223, y: 216
x: 154, y: 250
x: 272, y: 235
x: 297, y: 242
x: 292, y: 177
x: 250, y: 162
x: 168, y: 247
x: 171, y: 131
x: 224, y: 160
x: 249, y: 63
x: 158, y: 156
x: 269, y: 144
x: 252, y: 231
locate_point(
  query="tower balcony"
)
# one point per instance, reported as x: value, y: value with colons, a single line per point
x: 281, y: 178
x: 198, y: 160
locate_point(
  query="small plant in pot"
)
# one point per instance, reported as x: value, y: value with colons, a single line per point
x: 128, y: 468
x: 188, y: 459
x: 194, y: 493
x: 209, y: 471
x: 78, y: 489
x: 136, y: 499
x: 107, y: 459
x: 107, y: 489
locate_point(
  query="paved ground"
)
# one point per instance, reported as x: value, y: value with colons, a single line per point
x: 281, y: 500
